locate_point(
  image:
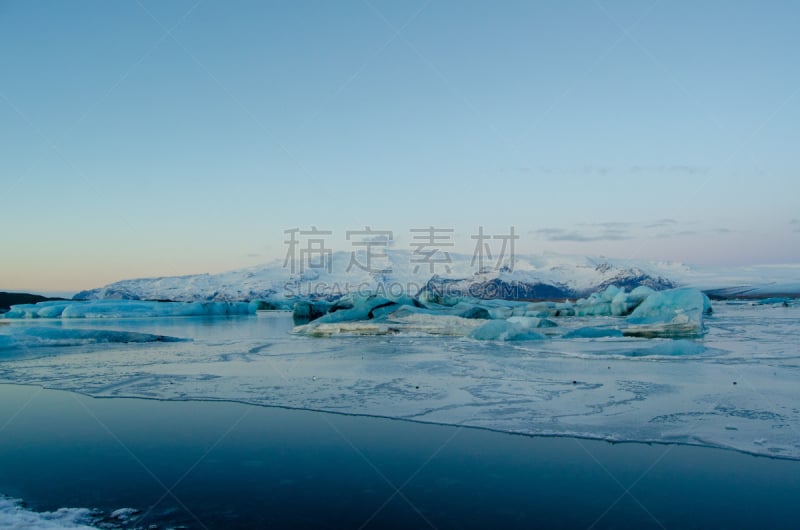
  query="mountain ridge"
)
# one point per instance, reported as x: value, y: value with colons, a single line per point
x: 544, y: 277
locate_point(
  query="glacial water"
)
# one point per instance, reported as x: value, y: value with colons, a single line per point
x: 201, y: 464
x: 230, y: 432
x: 735, y: 388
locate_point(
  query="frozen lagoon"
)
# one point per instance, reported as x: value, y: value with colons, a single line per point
x: 154, y: 464
x: 734, y: 388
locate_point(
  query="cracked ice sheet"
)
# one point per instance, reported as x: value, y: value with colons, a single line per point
x: 610, y: 388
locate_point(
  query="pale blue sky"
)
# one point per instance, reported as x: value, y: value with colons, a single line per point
x: 161, y: 138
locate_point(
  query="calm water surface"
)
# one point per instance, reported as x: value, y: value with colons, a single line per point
x: 229, y: 465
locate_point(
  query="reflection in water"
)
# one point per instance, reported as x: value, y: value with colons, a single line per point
x: 228, y: 465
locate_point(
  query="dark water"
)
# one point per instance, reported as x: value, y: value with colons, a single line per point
x: 227, y: 465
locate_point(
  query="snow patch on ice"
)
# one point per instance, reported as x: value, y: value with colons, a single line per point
x: 14, y: 515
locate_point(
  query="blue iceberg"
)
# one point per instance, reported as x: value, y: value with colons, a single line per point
x: 128, y: 308
x: 672, y: 313
x: 592, y: 333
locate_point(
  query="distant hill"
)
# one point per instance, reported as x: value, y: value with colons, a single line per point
x: 9, y: 299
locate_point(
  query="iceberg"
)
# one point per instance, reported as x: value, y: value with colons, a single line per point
x: 361, y: 308
x: 533, y: 322
x: 674, y: 313
x: 785, y: 302
x: 305, y: 311
x: 599, y: 304
x: 461, y: 309
x: 624, y: 303
x: 613, y: 301
x: 592, y: 333
x: 128, y: 308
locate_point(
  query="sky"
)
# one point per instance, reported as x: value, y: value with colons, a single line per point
x: 152, y: 138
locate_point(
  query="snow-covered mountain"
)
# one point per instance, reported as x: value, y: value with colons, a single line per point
x: 403, y: 272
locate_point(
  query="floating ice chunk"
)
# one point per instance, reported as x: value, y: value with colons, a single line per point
x: 624, y: 303
x: 592, y: 333
x: 467, y: 310
x: 128, y: 308
x: 273, y: 304
x: 548, y: 309
x: 593, y: 306
x: 50, y: 309
x: 504, y: 330
x: 500, y: 313
x: 306, y: 310
x: 533, y: 322
x: 56, y: 336
x: 361, y: 308
x: 496, y: 309
x: 53, y: 311
x: 640, y: 293
x: 517, y: 307
x: 775, y: 300
x: 367, y: 307
x: 672, y: 313
x: 462, y: 309
x: 610, y: 293
x: 598, y: 304
x: 613, y: 301
x: 621, y: 305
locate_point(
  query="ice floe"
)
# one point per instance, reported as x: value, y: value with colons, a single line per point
x: 14, y: 516
x: 128, y: 308
x: 25, y: 338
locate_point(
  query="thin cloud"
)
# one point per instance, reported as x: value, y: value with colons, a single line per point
x: 661, y: 223
x: 581, y: 237
x: 610, y: 225
x: 668, y: 169
x: 547, y: 231
x: 682, y: 233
